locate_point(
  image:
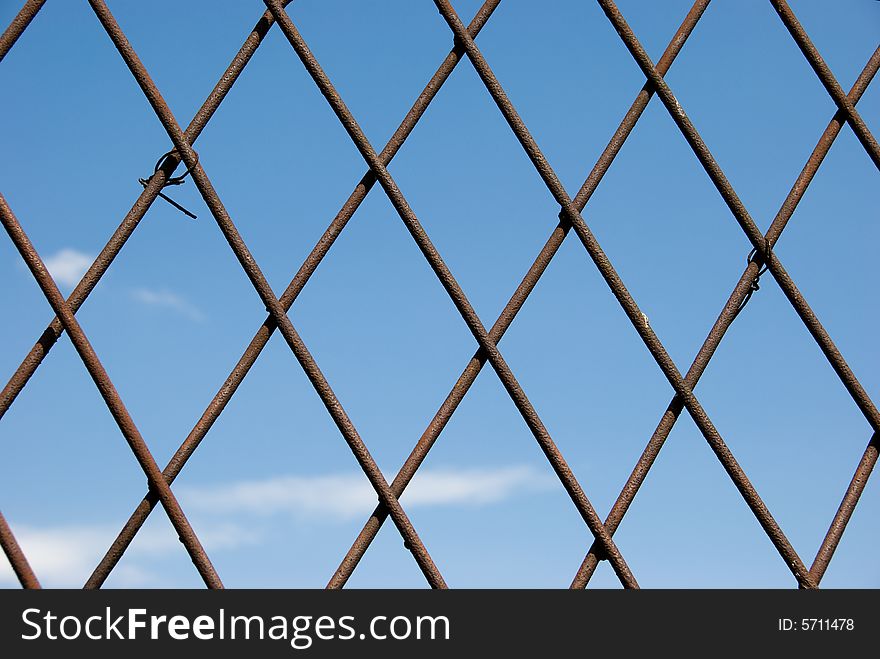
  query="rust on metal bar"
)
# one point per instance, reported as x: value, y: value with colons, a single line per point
x: 717, y: 333
x: 802, y: 39
x: 17, y: 559
x: 155, y: 183
x: 513, y: 306
x: 847, y: 507
x: 110, y: 395
x: 456, y: 294
x: 18, y: 25
x: 745, y: 221
x: 627, y: 303
x: 265, y: 331
x: 570, y: 217
x: 249, y: 265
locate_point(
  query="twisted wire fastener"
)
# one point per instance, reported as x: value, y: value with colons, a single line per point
x: 172, y: 180
x: 755, y: 285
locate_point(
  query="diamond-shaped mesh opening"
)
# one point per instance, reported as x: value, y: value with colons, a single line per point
x: 699, y: 511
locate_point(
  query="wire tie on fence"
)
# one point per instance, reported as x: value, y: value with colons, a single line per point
x: 172, y: 180
x: 756, y: 282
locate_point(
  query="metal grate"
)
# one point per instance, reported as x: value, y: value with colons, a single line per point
x: 763, y: 259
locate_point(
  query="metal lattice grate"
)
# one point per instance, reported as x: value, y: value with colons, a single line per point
x: 763, y: 259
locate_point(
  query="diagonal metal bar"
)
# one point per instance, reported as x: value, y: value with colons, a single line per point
x: 261, y: 338
x: 847, y: 507
x: 17, y: 559
x: 18, y: 25
x: 110, y: 395
x: 746, y: 223
x: 796, y: 30
x: 820, y: 335
x: 514, y: 305
x: 154, y: 186
x: 569, y: 217
x: 454, y: 291
x: 719, y: 330
x: 156, y: 182
x: 255, y: 275
x: 618, y: 288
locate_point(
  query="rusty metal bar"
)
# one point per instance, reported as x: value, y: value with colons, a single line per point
x: 746, y: 223
x: 618, y: 288
x: 454, y: 291
x: 17, y: 559
x: 802, y: 39
x: 110, y: 395
x: 261, y: 338
x: 846, y: 509
x: 570, y: 217
x: 249, y: 265
x: 18, y: 25
x: 156, y: 182
x: 514, y: 305
x: 719, y: 329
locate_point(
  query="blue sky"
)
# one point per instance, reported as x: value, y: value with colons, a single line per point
x: 274, y: 491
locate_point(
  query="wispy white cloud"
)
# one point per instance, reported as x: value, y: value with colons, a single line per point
x: 59, y: 555
x: 64, y: 556
x: 68, y: 266
x: 343, y: 496
x: 473, y: 486
x: 168, y: 300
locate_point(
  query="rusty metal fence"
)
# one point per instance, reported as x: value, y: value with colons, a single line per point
x: 183, y: 156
